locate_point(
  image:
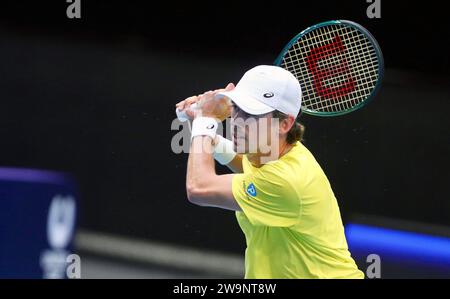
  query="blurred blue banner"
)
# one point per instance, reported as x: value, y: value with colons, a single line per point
x: 37, y: 223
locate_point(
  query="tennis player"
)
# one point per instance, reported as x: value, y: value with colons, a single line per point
x: 284, y: 202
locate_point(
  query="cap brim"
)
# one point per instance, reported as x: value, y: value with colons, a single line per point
x: 246, y: 102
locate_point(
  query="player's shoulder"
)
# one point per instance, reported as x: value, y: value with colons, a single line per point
x: 302, y: 158
x: 278, y: 172
x: 291, y: 166
x: 298, y: 165
x: 298, y: 157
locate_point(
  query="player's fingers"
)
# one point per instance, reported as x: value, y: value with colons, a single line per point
x: 229, y: 87
x: 186, y: 103
x: 180, y: 105
x: 191, y: 101
x: 190, y: 114
x: 205, y: 93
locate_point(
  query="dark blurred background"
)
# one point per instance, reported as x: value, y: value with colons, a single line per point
x: 95, y: 97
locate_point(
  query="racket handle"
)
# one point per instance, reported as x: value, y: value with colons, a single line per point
x: 182, y: 115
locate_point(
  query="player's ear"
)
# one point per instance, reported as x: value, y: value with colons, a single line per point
x: 287, y: 123
x: 292, y: 120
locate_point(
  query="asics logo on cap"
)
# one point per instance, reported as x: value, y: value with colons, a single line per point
x: 268, y: 95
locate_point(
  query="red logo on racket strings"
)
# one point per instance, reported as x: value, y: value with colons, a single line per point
x: 322, y: 74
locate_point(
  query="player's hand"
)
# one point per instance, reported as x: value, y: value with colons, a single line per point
x: 209, y: 106
x: 184, y: 105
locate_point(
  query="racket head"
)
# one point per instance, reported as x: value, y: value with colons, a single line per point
x: 339, y: 65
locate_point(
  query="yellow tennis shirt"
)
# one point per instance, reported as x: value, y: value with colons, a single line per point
x: 291, y: 220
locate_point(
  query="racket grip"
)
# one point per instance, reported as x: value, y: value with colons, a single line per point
x: 182, y: 115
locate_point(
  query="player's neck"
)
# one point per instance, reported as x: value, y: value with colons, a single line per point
x: 259, y: 159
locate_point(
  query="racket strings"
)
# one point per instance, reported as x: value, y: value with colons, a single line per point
x: 361, y: 75
x: 336, y: 79
x: 357, y: 62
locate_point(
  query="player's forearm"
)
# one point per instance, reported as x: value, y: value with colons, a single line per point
x: 200, y: 170
x: 204, y: 187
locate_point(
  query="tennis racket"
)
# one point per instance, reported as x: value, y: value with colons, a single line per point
x: 339, y: 65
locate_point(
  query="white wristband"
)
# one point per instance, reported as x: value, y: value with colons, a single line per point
x: 223, y: 151
x: 204, y: 126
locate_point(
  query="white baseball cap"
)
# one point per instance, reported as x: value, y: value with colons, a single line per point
x: 266, y: 88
